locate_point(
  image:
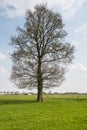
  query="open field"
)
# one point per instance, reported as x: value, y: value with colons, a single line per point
x: 57, y: 112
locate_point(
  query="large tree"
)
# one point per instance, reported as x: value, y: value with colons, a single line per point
x: 40, y: 56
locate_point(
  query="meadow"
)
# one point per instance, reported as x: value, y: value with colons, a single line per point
x: 57, y: 112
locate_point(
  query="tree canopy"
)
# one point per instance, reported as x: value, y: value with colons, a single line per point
x: 41, y: 54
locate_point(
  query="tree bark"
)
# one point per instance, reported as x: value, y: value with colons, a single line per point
x: 40, y: 83
x: 40, y: 95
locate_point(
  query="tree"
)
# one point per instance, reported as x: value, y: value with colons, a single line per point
x: 41, y: 56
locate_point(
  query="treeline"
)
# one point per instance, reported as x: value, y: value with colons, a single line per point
x: 45, y: 93
x: 14, y: 93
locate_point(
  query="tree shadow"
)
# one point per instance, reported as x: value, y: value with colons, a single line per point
x: 10, y: 101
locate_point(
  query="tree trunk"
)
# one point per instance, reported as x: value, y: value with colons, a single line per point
x: 40, y: 83
x: 40, y: 95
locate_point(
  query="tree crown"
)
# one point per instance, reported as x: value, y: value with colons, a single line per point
x: 41, y: 55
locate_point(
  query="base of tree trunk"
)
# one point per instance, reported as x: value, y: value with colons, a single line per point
x: 39, y: 98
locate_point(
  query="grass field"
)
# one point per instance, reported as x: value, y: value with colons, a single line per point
x: 57, y: 112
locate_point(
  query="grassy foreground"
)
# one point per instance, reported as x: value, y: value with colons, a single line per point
x: 56, y: 113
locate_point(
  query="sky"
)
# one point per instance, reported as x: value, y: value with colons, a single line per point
x: 74, y: 15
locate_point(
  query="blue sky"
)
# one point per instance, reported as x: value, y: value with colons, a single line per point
x: 74, y: 14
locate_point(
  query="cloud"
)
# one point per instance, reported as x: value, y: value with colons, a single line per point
x: 72, y: 8
x: 2, y: 56
x: 68, y: 7
x: 81, y: 33
x: 82, y: 28
x: 3, y: 70
x: 82, y: 67
x: 78, y: 67
x: 14, y: 8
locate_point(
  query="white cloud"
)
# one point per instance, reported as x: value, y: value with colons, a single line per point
x: 3, y: 70
x: 68, y: 7
x: 81, y: 33
x: 78, y: 67
x: 13, y: 8
x: 73, y: 7
x: 82, y: 28
x: 82, y: 67
x: 2, y: 56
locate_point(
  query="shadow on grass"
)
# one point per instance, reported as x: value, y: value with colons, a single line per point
x: 10, y: 101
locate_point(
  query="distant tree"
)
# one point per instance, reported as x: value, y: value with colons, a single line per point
x: 41, y: 55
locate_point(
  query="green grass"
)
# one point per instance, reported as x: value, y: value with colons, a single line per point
x: 62, y: 112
